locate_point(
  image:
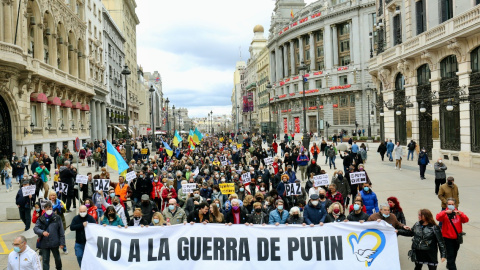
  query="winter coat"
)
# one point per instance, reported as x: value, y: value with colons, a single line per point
x: 261, y: 218
x: 295, y: 220
x: 331, y: 219
x: 382, y: 149
x: 357, y: 217
x: 77, y: 226
x: 142, y: 221
x: 423, y: 159
x: 446, y: 192
x: 229, y: 216
x: 398, y: 152
x: 447, y: 229
x: 390, y: 146
x: 370, y: 201
x: 426, y: 239
x: 343, y: 186
x: 391, y: 219
x: 117, y: 221
x: 440, y: 169
x: 56, y: 235
x: 24, y: 202
x: 195, y: 217
x: 276, y: 217
x: 178, y: 217
x: 314, y: 214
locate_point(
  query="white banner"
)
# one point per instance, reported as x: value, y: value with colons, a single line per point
x: 223, y: 160
x: 101, y: 184
x: 321, y: 180
x: 81, y: 179
x: 292, y: 189
x: 358, y: 177
x: 60, y: 187
x: 268, y: 161
x: 370, y: 245
x: 188, y: 188
x: 28, y: 190
x: 130, y: 176
x: 246, y: 178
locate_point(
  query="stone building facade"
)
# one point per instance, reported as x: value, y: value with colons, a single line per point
x: 44, y: 92
x: 427, y: 71
x: 332, y: 39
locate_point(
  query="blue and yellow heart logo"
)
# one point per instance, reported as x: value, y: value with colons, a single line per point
x: 367, y: 255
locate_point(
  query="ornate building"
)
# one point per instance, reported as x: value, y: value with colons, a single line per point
x: 331, y: 39
x: 44, y: 92
x: 236, y: 98
x: 427, y: 73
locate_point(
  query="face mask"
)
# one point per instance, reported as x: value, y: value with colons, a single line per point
x: 385, y: 215
x: 280, y: 207
x: 84, y: 214
x: 49, y: 212
x: 340, y: 177
x: 171, y: 207
x: 262, y: 189
x: 156, y: 220
x: 115, y: 203
x: 360, y: 169
x: 87, y: 205
x: 336, y: 211
x: 16, y: 249
x: 289, y: 170
x: 145, y: 202
x: 196, y: 195
x: 171, y: 186
x: 391, y: 205
x: 242, y: 189
x: 218, y: 205
x: 136, y: 218
x: 223, y: 180
x: 366, y: 189
x: 235, y: 208
x: 356, y: 207
x: 155, y: 181
x: 112, y: 195
x: 38, y: 210
x: 322, y: 196
x: 314, y: 203
x: 440, y: 161
x: 450, y: 183
x: 451, y: 207
x: 258, y: 210
x: 112, y: 215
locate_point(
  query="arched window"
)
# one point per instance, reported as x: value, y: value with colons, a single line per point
x: 399, y: 103
x: 449, y: 67
x: 448, y: 94
x: 31, y: 39
x: 474, y: 92
x: 45, y: 49
x: 424, y: 92
x: 423, y: 75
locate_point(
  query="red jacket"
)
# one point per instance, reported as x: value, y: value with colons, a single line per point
x: 447, y: 229
x: 92, y: 211
x: 35, y: 217
x: 157, y: 187
x: 275, y: 147
x: 165, y: 196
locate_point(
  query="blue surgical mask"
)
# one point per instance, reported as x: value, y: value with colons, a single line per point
x: 451, y: 207
x: 112, y: 195
x: 16, y: 249
x: 280, y: 207
x: 356, y: 207
x: 242, y: 189
x: 366, y: 188
x: 171, y: 186
x: 171, y: 207
x: 385, y: 216
x: 218, y: 205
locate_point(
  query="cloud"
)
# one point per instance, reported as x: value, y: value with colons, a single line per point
x: 195, y: 45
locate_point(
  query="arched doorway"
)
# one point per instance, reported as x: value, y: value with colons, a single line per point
x: 424, y: 98
x: 399, y: 103
x: 5, y: 130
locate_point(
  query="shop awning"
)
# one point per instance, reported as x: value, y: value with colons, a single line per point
x: 38, y: 97
x: 66, y: 103
x: 77, y: 105
x: 85, y: 107
x: 54, y: 101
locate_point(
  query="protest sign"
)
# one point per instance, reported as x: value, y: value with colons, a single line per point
x: 321, y: 180
x: 144, y: 151
x: 195, y: 173
x: 223, y: 160
x: 358, y: 178
x: 28, y: 190
x: 81, y: 179
x: 42, y: 203
x: 60, y: 187
x: 246, y: 178
x: 130, y: 176
x: 239, y: 146
x: 101, y: 184
x: 188, y: 188
x: 227, y: 188
x: 292, y: 189
x: 268, y: 161
x: 369, y: 245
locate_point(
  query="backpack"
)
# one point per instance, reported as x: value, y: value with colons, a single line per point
x: 24, y: 160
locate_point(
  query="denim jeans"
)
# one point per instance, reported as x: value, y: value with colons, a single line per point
x: 410, y: 152
x: 332, y: 160
x: 79, y: 249
x: 99, y: 214
x: 8, y: 182
x: 19, y: 178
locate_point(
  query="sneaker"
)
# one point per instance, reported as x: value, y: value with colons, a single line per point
x: 8, y: 190
x: 65, y: 252
x: 400, y: 169
x: 11, y: 188
x: 396, y: 168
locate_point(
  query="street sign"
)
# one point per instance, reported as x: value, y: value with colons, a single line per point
x: 77, y: 144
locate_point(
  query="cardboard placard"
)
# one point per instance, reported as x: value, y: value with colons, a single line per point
x: 81, y: 179
x: 227, y: 188
x: 223, y: 160
x: 28, y: 190
x: 42, y: 203
x: 321, y: 180
x: 268, y: 161
x: 358, y: 178
x: 60, y: 187
x: 246, y: 178
x: 188, y: 188
x: 130, y: 176
x: 101, y: 184
x: 292, y: 189
x: 144, y: 151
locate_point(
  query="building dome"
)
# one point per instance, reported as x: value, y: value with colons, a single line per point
x: 258, y: 28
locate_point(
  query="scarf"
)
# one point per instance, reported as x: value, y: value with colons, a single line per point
x: 236, y: 216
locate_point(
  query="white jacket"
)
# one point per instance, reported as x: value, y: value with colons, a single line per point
x: 27, y: 260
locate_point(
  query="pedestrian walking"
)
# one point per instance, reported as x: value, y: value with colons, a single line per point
x: 7, y: 173
x: 440, y: 175
x: 423, y: 161
x: 390, y: 147
x: 449, y: 190
x: 398, y: 153
x: 78, y: 225
x: 25, y: 205
x: 411, y: 148
x: 23, y: 257
x: 382, y: 149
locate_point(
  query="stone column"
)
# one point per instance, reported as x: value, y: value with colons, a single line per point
x: 99, y: 120
x: 292, y: 57
x: 104, y: 120
x: 7, y: 20
x: 273, y: 77
x: 312, y: 51
x: 355, y: 38
x: 435, y: 84
x: 285, y: 60
x: 335, y: 45
x: 300, y: 49
x: 93, y: 120
x: 278, y: 63
x: 327, y: 47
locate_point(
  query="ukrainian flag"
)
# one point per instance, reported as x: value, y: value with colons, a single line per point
x: 115, y: 160
x: 176, y: 139
x: 191, y: 141
x: 167, y: 148
x: 197, y: 136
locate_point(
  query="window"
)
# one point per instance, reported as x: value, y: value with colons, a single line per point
x: 345, y: 60
x: 447, y: 10
x: 345, y: 45
x: 307, y: 55
x: 318, y: 83
x: 307, y: 39
x: 421, y: 16
x: 319, y: 36
x: 50, y: 115
x: 343, y: 80
x: 344, y: 113
x: 320, y: 51
x: 95, y: 9
x: 33, y: 111
x: 344, y: 29
x: 90, y: 26
x: 295, y: 87
x: 449, y: 67
x: 475, y: 59
x: 397, y: 30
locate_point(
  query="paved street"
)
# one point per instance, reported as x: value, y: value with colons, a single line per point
x: 413, y: 194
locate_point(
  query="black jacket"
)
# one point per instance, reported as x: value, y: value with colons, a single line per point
x: 141, y: 186
x: 261, y: 218
x: 357, y: 217
x: 295, y: 220
x: 347, y: 160
x: 313, y: 168
x: 67, y: 176
x: 243, y: 216
x: 147, y: 210
x: 426, y: 238
x: 77, y: 226
x: 24, y: 202
x: 330, y: 218
x: 143, y: 222
x: 193, y: 216
x: 54, y: 227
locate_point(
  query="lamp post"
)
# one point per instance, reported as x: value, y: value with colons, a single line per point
x: 382, y: 114
x: 306, y: 136
x: 168, y: 124
x: 125, y: 73
x: 369, y: 125
x: 318, y: 116
x: 269, y: 134
x: 173, y: 114
x: 179, y: 126
x: 151, y: 90
x: 211, y: 121
x: 370, y: 35
x: 236, y: 117
x: 277, y: 107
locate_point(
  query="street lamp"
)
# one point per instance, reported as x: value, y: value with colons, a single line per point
x: 369, y: 126
x: 211, y: 121
x: 168, y: 124
x: 370, y: 35
x: 151, y: 90
x: 173, y: 114
x: 422, y: 107
x: 327, y: 125
x: 306, y: 136
x: 125, y: 73
x: 398, y: 110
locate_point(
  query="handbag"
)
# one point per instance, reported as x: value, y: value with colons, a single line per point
x: 459, y: 235
x: 412, y: 255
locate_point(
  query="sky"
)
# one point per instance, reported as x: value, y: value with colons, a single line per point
x: 194, y: 45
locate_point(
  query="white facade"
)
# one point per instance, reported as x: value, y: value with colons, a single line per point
x: 237, y: 99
